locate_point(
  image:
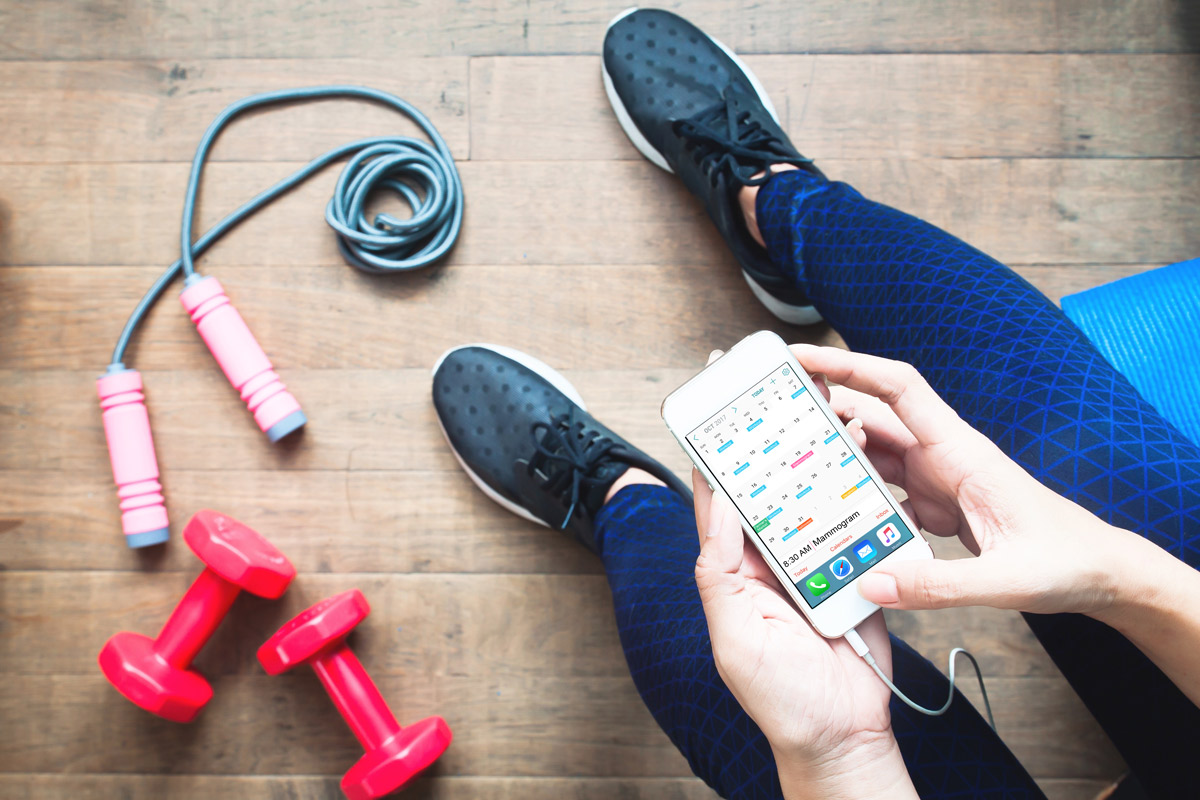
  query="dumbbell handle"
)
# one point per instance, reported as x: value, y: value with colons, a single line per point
x: 356, y: 696
x: 194, y: 620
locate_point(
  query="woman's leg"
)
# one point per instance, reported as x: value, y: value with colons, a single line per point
x: 647, y: 539
x: 1018, y: 370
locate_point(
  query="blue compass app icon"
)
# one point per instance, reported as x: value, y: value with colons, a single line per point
x: 842, y: 569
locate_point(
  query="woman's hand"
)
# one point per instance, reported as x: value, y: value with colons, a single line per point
x: 1037, y: 551
x: 821, y: 707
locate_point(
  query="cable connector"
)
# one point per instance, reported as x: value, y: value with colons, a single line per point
x: 860, y: 647
x: 241, y: 358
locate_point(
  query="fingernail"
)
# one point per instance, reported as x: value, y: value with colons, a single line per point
x: 714, y: 355
x: 820, y: 377
x: 854, y: 424
x: 879, y: 587
x: 716, y: 516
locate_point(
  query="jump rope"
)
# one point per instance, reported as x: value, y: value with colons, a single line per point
x: 420, y: 173
x: 383, y: 246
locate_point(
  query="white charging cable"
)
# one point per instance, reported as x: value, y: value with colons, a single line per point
x: 864, y: 652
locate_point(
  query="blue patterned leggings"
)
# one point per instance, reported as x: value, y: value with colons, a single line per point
x: 1019, y: 371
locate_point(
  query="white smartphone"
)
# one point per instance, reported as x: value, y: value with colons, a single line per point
x: 758, y: 429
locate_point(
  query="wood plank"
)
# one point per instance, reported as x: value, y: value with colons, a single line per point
x: 1039, y: 211
x: 157, y: 110
x: 336, y: 317
x: 421, y: 627
x: 873, y: 106
x: 1050, y: 732
x: 256, y: 787
x: 1058, y: 281
x: 475, y: 624
x: 1000, y: 640
x: 50, y: 420
x: 365, y: 521
x: 53, y: 29
x: 1075, y: 789
x: 68, y: 317
x: 505, y: 724
x: 421, y: 521
x: 839, y: 106
x: 358, y: 419
x: 445, y: 787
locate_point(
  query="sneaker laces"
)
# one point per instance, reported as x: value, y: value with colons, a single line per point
x: 576, y: 449
x: 740, y: 153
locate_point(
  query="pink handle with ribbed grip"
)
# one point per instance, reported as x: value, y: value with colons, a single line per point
x: 241, y: 358
x: 131, y: 451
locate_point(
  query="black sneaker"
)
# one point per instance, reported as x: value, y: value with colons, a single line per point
x: 521, y: 432
x: 693, y: 108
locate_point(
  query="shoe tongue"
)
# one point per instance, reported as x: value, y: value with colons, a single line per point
x: 740, y: 99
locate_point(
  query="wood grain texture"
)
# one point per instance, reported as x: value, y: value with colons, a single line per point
x: 472, y: 649
x: 326, y: 521
x: 355, y: 418
x: 488, y: 620
x: 275, y: 28
x: 506, y: 723
x: 155, y: 110
x: 553, y: 107
x: 1070, y: 211
x: 1059, y: 136
x: 289, y: 787
x: 67, y: 317
x: 875, y: 106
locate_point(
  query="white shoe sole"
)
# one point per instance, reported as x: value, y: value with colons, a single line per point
x: 548, y: 373
x: 794, y: 315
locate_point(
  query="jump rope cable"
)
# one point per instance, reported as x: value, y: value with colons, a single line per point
x: 385, y: 245
x: 864, y: 652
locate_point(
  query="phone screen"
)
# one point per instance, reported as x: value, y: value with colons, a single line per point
x: 777, y: 453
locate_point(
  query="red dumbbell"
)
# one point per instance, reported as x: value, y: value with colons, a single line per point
x: 154, y: 673
x: 317, y: 637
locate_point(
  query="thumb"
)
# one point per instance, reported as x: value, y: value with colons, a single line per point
x: 934, y: 583
x: 721, y: 551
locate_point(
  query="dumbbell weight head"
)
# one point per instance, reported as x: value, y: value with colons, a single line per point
x: 239, y: 554
x: 394, y: 755
x: 385, y: 769
x: 153, y: 673
x: 308, y: 633
x: 133, y: 665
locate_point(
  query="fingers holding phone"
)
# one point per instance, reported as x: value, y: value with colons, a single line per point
x: 757, y: 427
x: 1037, y: 551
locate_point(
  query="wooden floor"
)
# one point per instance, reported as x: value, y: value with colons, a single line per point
x: 1061, y: 136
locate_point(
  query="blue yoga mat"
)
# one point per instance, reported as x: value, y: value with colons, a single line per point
x: 1148, y: 327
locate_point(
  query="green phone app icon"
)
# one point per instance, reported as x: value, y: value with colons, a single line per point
x: 817, y: 584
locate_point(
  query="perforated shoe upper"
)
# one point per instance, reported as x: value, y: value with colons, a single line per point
x: 699, y: 113
x: 665, y: 68
x: 528, y: 444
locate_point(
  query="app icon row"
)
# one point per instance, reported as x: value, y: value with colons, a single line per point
x: 864, y: 551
